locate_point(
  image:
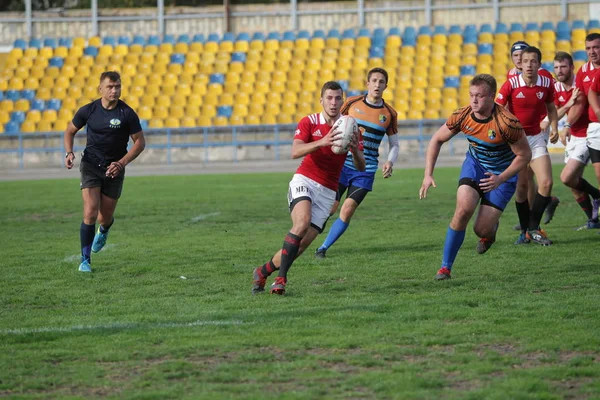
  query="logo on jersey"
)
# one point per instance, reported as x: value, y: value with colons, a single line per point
x: 520, y: 95
x: 382, y: 118
x: 586, y: 79
x: 297, y: 133
x: 358, y: 110
x: 492, y: 134
x: 561, y: 99
x: 540, y: 95
x: 115, y: 123
x: 468, y: 128
x: 317, y: 133
x: 500, y: 96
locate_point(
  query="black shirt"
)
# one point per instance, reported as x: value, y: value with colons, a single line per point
x: 108, y: 131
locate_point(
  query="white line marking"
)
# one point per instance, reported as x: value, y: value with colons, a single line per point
x: 77, y: 257
x: 202, y: 217
x: 116, y: 325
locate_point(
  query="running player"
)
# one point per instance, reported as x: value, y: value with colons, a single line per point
x: 313, y: 188
x: 376, y: 119
x: 497, y: 151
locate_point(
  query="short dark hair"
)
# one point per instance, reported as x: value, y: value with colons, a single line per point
x: 331, y: 85
x: 112, y: 75
x: 533, y: 50
x: 485, y: 79
x: 562, y: 56
x: 378, y: 71
x: 592, y: 36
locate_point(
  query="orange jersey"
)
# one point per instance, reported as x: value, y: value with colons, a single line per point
x: 489, y: 139
x: 374, y: 123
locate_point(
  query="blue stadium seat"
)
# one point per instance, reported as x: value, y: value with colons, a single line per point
x: 516, y: 27
x: 65, y: 42
x: 224, y: 111
x: 319, y: 33
x: 349, y: 34
x: 470, y: 30
x: 56, y: 62
x: 580, y: 55
x: 238, y: 56
x: 154, y: 40
x: 334, y: 33
x: 303, y: 35
x: 409, y: 33
x: 28, y: 94
x: 440, y: 30
x: 455, y: 29
x: 243, y: 37
x: 501, y: 28
x: 13, y: 95
x: 177, y: 58
x: 547, y: 26
x: 17, y: 116
x: 470, y: 38
x: 20, y: 44
x: 144, y: 124
x: 50, y: 42
x: 354, y: 93
x: 344, y: 85
x: 169, y: 39
x: 593, y: 24
x: 259, y: 36
x: 379, y: 32
x: 467, y: 70
x: 578, y: 24
x: 38, y: 104
x: 451, y: 82
x: 139, y: 39
x: 378, y: 41
x: 109, y: 41
x: 562, y: 27
x: 486, y: 48
x: 289, y: 36
x: 409, y: 41
x: 217, y: 78
x: 424, y: 30
x: 395, y: 31
x: 561, y: 35
x: 274, y: 36
x: 35, y: 42
x: 199, y: 38
x: 228, y: 37
x: 1, y: 95
x: 486, y: 28
x: 364, y: 32
x: 12, y: 128
x: 184, y: 38
x: 376, y: 52
x: 532, y: 26
x: 124, y: 39
x: 90, y: 51
x: 54, y: 104
x: 548, y: 66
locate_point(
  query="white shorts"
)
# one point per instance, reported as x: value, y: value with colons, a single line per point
x: 539, y: 145
x: 593, y: 136
x: 321, y: 197
x: 577, y: 150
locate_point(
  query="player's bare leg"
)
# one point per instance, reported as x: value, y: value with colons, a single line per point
x: 105, y: 219
x: 542, y: 168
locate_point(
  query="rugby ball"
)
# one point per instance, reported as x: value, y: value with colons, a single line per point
x: 348, y: 129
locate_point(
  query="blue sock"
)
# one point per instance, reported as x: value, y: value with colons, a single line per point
x: 86, y: 234
x: 454, y: 239
x: 337, y: 229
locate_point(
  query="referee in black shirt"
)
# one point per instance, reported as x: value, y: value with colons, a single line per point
x: 110, y: 123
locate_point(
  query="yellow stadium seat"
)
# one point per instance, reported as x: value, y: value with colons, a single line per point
x: 208, y: 110
x: 187, y: 122
x: 563, y: 45
x: 79, y: 42
x: 95, y: 41
x: 15, y: 54
x: 332, y: 43
x: 414, y: 115
x: 59, y: 92
x: 226, y: 46
x: 175, y: 69
x: 431, y: 114
x: 28, y: 127
x: 46, y: 52
x: 4, y: 117
x: 34, y: 116
x: 577, y: 45
x: 44, y: 126
x: 105, y: 50
x: 31, y: 83
x: 15, y: 84
x: 165, y: 48
x: 156, y: 123
x: 220, y: 121
x: 60, y: 124
x: 26, y: 62
x: 268, y: 119
x: 241, y: 46
x: 116, y: 59
x: 578, y: 34
x: 230, y: 87
x: 121, y: 50
x: 515, y: 36
x: 162, y: 101
x: 172, y: 122
x: 204, y: 121
x: 150, y: 48
x: 196, y: 47
x: 240, y: 110
x: 160, y: 112
x: 49, y: 115
x: 484, y: 59
x: 144, y: 112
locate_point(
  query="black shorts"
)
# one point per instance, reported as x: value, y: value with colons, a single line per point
x: 95, y: 176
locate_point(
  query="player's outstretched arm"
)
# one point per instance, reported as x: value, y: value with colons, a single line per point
x: 68, y: 139
x: 433, y: 151
x: 388, y: 167
x: 553, y: 117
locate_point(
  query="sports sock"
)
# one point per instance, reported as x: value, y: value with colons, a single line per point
x: 337, y: 229
x: 586, y: 205
x: 454, y: 239
x: 586, y: 187
x: 523, y: 213
x: 268, y: 268
x: 104, y: 229
x: 537, y: 210
x: 86, y: 235
x: 291, y: 244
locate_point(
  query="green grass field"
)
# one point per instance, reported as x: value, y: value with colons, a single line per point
x: 367, y: 322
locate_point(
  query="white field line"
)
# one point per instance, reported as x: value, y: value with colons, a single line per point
x: 202, y: 217
x: 115, y: 326
x: 77, y: 257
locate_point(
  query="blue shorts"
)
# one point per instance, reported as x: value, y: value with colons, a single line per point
x: 471, y: 174
x: 350, y: 177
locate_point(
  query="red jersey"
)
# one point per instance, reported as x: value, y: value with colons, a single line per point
x: 527, y: 103
x: 595, y: 86
x: 583, y: 81
x: 515, y: 72
x: 562, y: 97
x: 322, y: 165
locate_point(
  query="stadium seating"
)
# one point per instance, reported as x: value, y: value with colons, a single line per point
x: 264, y: 77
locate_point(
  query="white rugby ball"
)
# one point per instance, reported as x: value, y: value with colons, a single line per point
x: 348, y: 128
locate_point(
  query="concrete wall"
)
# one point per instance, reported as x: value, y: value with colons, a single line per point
x: 281, y: 21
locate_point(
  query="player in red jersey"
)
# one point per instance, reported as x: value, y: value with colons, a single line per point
x: 313, y: 188
x: 515, y: 53
x: 529, y: 96
x: 577, y: 154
